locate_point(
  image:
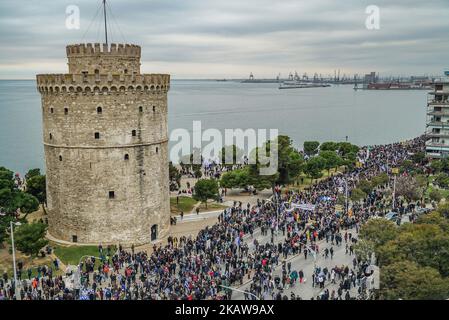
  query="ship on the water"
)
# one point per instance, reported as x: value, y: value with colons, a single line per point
x: 252, y: 79
x: 372, y: 82
x: 302, y: 85
x: 393, y: 86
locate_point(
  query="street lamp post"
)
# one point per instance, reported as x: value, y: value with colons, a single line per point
x: 16, y: 284
x: 346, y: 195
x: 394, y: 192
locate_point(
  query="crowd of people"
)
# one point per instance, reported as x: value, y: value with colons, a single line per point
x: 231, y: 252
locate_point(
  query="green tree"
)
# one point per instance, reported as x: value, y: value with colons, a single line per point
x: 378, y: 231
x: 311, y: 147
x: 408, y: 281
x: 407, y: 166
x: 435, y: 218
x: 174, y: 174
x: 36, y: 186
x: 235, y: 179
x: 26, y: 202
x: 442, y: 180
x: 4, y: 225
x: 380, y: 180
x: 230, y: 155
x: 30, y: 238
x: 314, y: 167
x: 256, y: 179
x: 197, y: 172
x: 437, y: 166
x: 6, y: 174
x: 357, y: 195
x: 409, y: 188
x: 290, y: 161
x: 444, y: 210
x: 346, y: 148
x: 329, y: 146
x: 419, y: 157
x: 425, y: 244
x: 366, y: 186
x: 32, y: 173
x: 331, y: 159
x: 435, y: 195
x: 205, y: 189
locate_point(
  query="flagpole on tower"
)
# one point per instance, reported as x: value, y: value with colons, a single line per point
x: 105, y: 24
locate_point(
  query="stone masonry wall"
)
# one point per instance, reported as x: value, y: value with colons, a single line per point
x: 129, y: 156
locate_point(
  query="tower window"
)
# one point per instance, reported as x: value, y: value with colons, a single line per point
x: 140, y: 109
x: 74, y: 239
x: 97, y: 135
x: 157, y: 150
x: 154, y: 108
x: 60, y: 158
x: 133, y: 133
x: 111, y: 195
x: 99, y: 110
x: 126, y: 156
x: 66, y: 111
x: 51, y: 110
x: 51, y: 136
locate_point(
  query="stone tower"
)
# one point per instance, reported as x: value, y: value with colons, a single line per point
x: 106, y: 147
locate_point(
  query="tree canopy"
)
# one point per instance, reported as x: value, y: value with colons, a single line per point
x: 414, y: 258
x: 205, y: 189
x: 30, y: 238
x: 311, y: 147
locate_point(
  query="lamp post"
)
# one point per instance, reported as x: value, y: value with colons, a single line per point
x: 395, y: 171
x: 16, y: 284
x: 346, y: 195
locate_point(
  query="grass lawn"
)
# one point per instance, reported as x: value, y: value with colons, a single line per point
x: 212, y: 206
x: 72, y: 254
x: 185, y: 204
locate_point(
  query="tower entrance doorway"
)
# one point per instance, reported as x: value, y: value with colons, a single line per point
x: 153, y: 232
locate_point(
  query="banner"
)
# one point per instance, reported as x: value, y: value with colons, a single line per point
x: 304, y: 206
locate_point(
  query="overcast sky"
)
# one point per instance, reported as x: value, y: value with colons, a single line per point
x: 231, y: 38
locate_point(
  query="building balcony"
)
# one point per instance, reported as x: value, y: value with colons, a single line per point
x: 438, y: 124
x: 438, y: 113
x: 436, y: 146
x: 433, y: 102
x: 437, y: 135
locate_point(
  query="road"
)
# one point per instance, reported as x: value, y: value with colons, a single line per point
x: 306, y: 290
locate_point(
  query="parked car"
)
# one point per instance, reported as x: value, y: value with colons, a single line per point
x: 392, y: 216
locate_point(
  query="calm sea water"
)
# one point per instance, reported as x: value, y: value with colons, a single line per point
x: 323, y: 114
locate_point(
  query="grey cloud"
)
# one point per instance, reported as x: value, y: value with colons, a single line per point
x: 281, y: 34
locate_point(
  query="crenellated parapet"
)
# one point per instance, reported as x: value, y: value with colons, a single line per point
x: 89, y: 49
x: 103, y: 59
x: 110, y: 83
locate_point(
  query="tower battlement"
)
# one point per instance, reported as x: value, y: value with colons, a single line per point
x: 104, y: 83
x: 89, y: 49
x: 103, y: 59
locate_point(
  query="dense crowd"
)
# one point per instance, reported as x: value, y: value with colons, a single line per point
x: 229, y: 253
